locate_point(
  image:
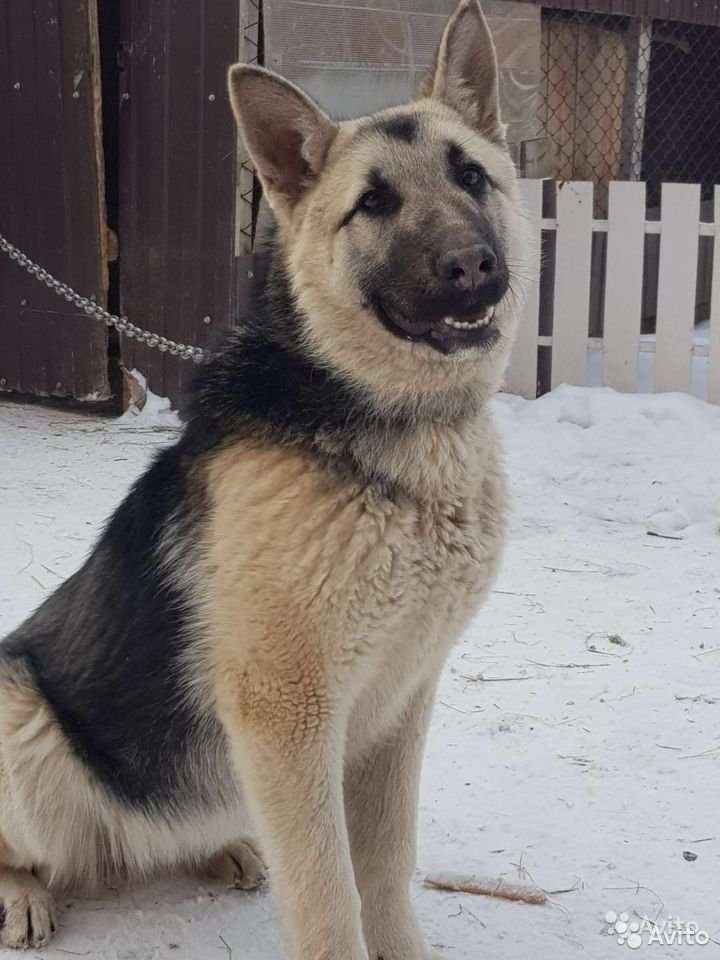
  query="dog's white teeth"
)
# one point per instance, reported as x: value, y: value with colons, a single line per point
x: 463, y: 325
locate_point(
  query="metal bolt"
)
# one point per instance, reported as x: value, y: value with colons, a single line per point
x: 76, y: 95
x: 17, y: 85
x: 3, y: 382
x: 207, y: 320
x: 250, y: 274
x: 58, y: 386
x: 23, y: 303
x: 126, y: 96
x: 211, y: 97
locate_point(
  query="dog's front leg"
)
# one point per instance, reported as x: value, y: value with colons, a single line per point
x: 381, y: 798
x: 288, y: 747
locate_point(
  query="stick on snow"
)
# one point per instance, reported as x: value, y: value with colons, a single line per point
x: 487, y: 887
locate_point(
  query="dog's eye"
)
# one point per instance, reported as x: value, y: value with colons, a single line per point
x: 472, y: 177
x: 372, y: 201
x: 379, y: 200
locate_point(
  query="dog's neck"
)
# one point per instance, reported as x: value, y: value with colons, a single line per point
x: 264, y: 385
x: 430, y: 463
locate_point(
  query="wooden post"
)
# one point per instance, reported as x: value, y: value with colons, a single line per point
x: 639, y: 47
x: 521, y: 377
x: 713, y: 393
x: 572, y: 283
x: 679, y: 242
x: 623, y: 285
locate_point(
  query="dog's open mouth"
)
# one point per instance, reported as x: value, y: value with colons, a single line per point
x: 447, y: 334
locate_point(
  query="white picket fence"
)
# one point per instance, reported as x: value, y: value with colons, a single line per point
x: 680, y: 228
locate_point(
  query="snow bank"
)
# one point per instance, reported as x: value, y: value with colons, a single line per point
x: 628, y: 455
x: 576, y: 739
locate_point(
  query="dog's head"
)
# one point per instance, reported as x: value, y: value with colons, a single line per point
x: 400, y: 231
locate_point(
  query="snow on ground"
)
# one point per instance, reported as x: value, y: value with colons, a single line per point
x: 576, y: 742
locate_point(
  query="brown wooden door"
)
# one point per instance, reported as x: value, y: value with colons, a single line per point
x: 51, y: 197
x: 178, y: 164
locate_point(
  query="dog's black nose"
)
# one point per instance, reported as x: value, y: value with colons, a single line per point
x: 468, y: 267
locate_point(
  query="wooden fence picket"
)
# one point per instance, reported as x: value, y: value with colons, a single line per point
x: 714, y: 348
x: 572, y: 283
x: 623, y: 285
x: 673, y: 345
x: 521, y: 377
x: 675, y: 323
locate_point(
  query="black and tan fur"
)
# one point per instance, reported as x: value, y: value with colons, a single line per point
x: 252, y: 649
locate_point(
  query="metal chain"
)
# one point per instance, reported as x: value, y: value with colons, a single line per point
x: 93, y: 309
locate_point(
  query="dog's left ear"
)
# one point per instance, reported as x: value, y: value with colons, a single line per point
x: 465, y: 73
x: 286, y: 134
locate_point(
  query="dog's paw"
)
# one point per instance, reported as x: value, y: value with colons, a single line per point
x: 238, y: 866
x: 28, y: 911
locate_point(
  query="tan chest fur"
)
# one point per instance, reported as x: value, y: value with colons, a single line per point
x: 340, y: 593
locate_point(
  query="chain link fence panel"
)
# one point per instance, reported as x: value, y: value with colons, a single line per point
x: 630, y: 98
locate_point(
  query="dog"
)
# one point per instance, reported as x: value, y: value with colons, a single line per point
x: 242, y: 673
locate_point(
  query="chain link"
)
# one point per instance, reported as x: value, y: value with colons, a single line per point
x: 93, y: 309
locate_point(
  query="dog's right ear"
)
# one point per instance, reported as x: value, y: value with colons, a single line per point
x: 465, y: 73
x: 286, y: 134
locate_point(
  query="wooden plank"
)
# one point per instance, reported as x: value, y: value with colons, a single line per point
x: 51, y: 198
x: 573, y: 248
x: 600, y: 78
x: 714, y: 348
x: 677, y: 281
x: 521, y: 376
x: 623, y: 285
x: 560, y: 55
x: 178, y: 180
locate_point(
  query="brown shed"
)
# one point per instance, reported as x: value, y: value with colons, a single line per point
x: 121, y: 172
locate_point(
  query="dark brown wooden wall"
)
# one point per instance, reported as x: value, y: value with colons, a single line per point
x: 687, y: 11
x: 51, y: 197
x: 177, y: 178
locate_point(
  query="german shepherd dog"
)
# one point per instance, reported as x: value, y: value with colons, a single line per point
x: 243, y: 671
